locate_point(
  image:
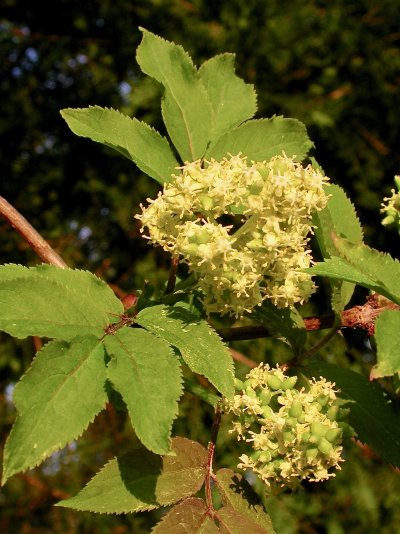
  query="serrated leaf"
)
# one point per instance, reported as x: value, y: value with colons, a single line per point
x: 233, y: 522
x: 364, y: 266
x: 53, y: 302
x: 283, y: 323
x: 57, y: 398
x: 387, y: 328
x: 188, y: 517
x: 237, y: 494
x: 338, y: 217
x: 371, y: 414
x: 262, y: 139
x: 232, y: 100
x: 134, y: 139
x: 141, y: 480
x: 199, y: 345
x: 186, y: 108
x: 145, y: 372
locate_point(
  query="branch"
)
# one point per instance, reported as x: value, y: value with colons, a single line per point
x: 30, y: 235
x: 211, y: 450
x: 356, y: 317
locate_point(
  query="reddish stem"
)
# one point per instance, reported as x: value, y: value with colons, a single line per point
x: 211, y: 450
x: 31, y: 236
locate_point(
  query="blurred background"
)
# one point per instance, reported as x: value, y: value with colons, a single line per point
x: 333, y: 65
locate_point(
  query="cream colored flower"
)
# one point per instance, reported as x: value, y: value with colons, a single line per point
x: 258, y: 250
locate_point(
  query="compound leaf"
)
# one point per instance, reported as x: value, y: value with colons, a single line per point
x: 362, y: 265
x: 371, y: 415
x: 57, y: 398
x: 232, y: 100
x: 134, y: 139
x: 199, y: 345
x: 54, y: 302
x: 185, y: 107
x: 387, y: 328
x: 234, y: 522
x: 237, y: 494
x: 141, y: 480
x: 188, y: 517
x: 261, y: 139
x: 145, y: 372
x: 338, y: 217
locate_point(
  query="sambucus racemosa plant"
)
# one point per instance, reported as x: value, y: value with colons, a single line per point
x: 238, y: 207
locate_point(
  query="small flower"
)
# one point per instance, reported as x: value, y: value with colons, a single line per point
x: 295, y: 434
x: 391, y: 206
x: 259, y: 252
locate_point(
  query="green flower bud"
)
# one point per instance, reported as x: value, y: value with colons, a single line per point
x: 289, y: 383
x: 333, y: 435
x: 318, y: 429
x: 273, y: 382
x: 305, y: 437
x: 325, y: 447
x: 311, y: 454
x: 265, y: 397
x: 250, y: 392
x: 267, y: 412
x: 333, y: 413
x: 296, y: 409
x: 190, y: 249
x: 290, y: 422
x: 206, y: 202
x: 288, y: 437
x: 265, y: 457
x: 238, y: 384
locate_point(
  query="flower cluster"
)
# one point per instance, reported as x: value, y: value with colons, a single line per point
x: 242, y: 229
x: 295, y: 434
x: 391, y: 206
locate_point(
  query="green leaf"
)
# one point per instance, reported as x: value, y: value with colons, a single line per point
x: 186, y: 109
x: 188, y: 517
x: 233, y: 522
x: 133, y: 139
x: 141, y: 480
x: 387, y: 328
x: 371, y: 414
x: 53, y: 302
x: 338, y: 217
x: 237, y: 494
x: 199, y: 345
x: 145, y: 372
x: 57, y: 398
x: 364, y: 266
x: 232, y: 100
x: 283, y: 323
x: 262, y: 139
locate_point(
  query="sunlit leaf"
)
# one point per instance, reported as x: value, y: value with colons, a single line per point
x: 57, y: 398
x: 199, y: 345
x: 387, y: 328
x: 146, y: 373
x: 141, y: 480
x: 134, y: 139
